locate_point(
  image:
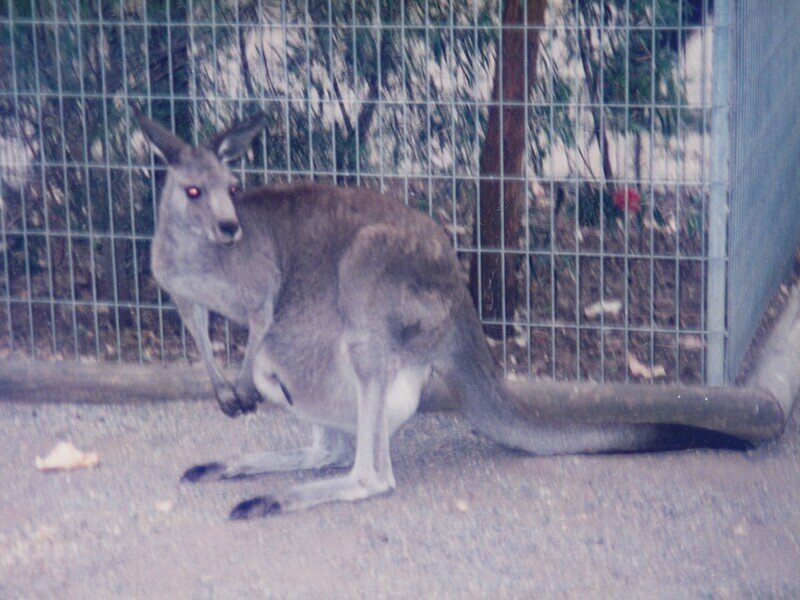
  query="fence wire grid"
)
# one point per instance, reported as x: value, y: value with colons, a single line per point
x: 586, y: 225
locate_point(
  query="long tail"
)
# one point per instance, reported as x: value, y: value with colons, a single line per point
x: 493, y: 407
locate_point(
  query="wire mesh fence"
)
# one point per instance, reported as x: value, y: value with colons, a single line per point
x: 563, y: 144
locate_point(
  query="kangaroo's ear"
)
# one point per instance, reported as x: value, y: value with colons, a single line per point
x: 166, y: 144
x: 230, y: 144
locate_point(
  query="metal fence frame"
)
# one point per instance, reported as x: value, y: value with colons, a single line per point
x: 718, y: 201
x: 764, y: 145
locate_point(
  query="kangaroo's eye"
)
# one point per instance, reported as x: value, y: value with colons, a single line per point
x: 193, y: 192
x: 234, y: 189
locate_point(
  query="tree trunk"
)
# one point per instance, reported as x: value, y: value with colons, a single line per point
x: 499, y: 219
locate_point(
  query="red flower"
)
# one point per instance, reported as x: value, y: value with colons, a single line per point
x: 627, y: 198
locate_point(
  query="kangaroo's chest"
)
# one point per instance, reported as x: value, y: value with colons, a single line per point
x: 209, y: 283
x: 216, y: 294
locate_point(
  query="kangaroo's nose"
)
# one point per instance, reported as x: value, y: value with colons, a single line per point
x: 228, y: 228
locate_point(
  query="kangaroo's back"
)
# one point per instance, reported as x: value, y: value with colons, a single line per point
x: 305, y: 215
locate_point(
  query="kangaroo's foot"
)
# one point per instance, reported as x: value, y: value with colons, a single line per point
x: 347, y: 488
x: 330, y: 448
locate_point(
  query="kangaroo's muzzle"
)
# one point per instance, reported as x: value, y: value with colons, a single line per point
x: 228, y: 232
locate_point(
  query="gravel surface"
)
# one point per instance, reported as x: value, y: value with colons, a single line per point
x: 468, y: 519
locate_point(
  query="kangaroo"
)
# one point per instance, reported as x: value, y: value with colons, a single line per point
x: 353, y: 301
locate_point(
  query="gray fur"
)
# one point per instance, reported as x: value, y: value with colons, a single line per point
x: 353, y: 300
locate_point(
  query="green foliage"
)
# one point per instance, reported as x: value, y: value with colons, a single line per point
x: 629, y: 60
x: 620, y: 63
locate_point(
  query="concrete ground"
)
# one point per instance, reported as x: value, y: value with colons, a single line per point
x: 467, y: 519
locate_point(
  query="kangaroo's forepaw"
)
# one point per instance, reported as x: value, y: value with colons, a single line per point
x: 248, y: 394
x: 254, y: 508
x: 204, y: 471
x: 232, y: 404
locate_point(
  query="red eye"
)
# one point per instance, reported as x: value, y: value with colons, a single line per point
x: 193, y: 192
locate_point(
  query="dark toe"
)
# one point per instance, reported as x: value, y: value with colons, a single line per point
x: 260, y: 506
x: 198, y: 472
x: 251, y: 396
x: 232, y: 409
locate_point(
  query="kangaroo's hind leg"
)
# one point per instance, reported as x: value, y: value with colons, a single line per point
x: 371, y: 473
x: 329, y: 448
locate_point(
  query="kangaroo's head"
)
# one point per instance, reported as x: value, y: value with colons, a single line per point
x: 200, y: 187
